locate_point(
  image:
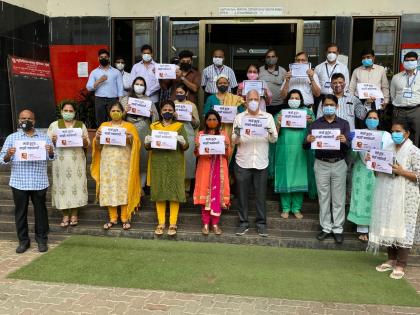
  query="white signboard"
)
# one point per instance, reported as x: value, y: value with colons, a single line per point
x: 210, y: 144
x: 69, y: 137
x: 250, y: 85
x: 365, y: 140
x: 293, y: 118
x: 30, y: 150
x: 299, y: 70
x: 380, y: 161
x: 227, y: 113
x: 113, y: 136
x: 165, y: 71
x: 254, y: 127
x: 139, y: 107
x: 164, y: 139
x: 250, y: 11
x: 326, y: 139
x: 184, y: 111
x: 82, y: 69
x: 367, y: 90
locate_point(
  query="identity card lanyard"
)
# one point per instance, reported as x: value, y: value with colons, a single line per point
x: 408, y: 91
x: 328, y: 83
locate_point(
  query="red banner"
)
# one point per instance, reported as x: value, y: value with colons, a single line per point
x: 29, y: 67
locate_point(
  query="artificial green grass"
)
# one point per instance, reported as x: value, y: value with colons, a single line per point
x: 299, y: 274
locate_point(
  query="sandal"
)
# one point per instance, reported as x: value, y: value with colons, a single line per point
x: 217, y: 230
x: 205, y: 229
x: 109, y: 225
x: 65, y: 222
x: 74, y: 221
x: 159, y: 229
x: 172, y: 230
x: 384, y: 267
x: 397, y: 274
x: 363, y: 237
x: 126, y: 226
x: 284, y: 215
x: 299, y: 215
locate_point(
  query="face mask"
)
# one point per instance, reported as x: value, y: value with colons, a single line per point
x: 120, y: 66
x: 104, y: 62
x: 147, y: 57
x: 222, y: 88
x: 331, y: 57
x: 371, y: 123
x: 167, y: 115
x: 398, y: 137
x: 180, y: 97
x: 252, y: 76
x: 253, y: 106
x: 410, y: 64
x: 68, y: 116
x: 26, y: 125
x: 338, y: 88
x: 367, y: 62
x: 212, y: 124
x: 138, y: 89
x: 293, y: 103
x: 328, y: 110
x: 184, y: 66
x: 217, y: 61
x: 116, y: 115
x: 271, y: 61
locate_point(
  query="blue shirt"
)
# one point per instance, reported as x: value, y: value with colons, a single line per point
x: 111, y: 87
x: 26, y: 175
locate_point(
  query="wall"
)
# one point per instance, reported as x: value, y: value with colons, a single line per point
x: 38, y: 6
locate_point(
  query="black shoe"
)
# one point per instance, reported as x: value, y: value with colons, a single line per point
x: 323, y: 235
x: 262, y: 231
x: 339, y: 238
x: 242, y: 230
x: 42, y: 248
x: 23, y: 247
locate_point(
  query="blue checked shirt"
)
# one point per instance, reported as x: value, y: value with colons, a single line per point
x: 27, y: 175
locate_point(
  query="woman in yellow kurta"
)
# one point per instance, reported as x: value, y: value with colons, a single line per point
x: 116, y: 170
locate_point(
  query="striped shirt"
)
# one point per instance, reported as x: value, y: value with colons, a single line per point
x: 208, y: 79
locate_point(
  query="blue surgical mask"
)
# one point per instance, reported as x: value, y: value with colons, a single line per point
x: 294, y: 103
x: 398, y: 137
x: 410, y: 64
x: 329, y: 110
x: 371, y: 123
x: 367, y: 62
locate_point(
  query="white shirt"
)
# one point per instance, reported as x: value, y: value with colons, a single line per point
x: 401, y: 85
x: 126, y: 76
x: 304, y: 86
x: 253, y: 151
x: 153, y: 86
x: 325, y: 71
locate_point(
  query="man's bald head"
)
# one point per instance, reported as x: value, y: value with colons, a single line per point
x: 26, y: 114
x: 253, y: 95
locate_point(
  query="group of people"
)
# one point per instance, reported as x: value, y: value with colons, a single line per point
x: 383, y: 206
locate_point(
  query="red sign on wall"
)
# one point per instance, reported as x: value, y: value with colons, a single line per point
x: 28, y: 67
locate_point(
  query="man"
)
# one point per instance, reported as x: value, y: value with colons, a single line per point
x: 330, y: 171
x: 349, y: 106
x: 107, y: 83
x: 146, y: 69
x: 369, y: 72
x: 186, y: 75
x: 405, y: 94
x: 126, y: 77
x: 208, y: 80
x: 28, y: 179
x: 251, y: 162
x: 309, y: 86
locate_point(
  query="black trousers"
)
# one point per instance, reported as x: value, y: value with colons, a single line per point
x: 101, y: 108
x: 21, y: 199
x: 246, y: 178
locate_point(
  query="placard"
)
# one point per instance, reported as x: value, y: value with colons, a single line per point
x: 299, y: 70
x: 380, y: 161
x: 139, y: 107
x: 184, y: 111
x: 250, y: 85
x: 211, y: 144
x: 227, y: 113
x: 326, y: 139
x: 30, y: 150
x: 164, y: 139
x: 367, y: 90
x: 165, y: 71
x: 113, y: 136
x: 365, y: 140
x: 293, y: 118
x: 254, y: 127
x: 69, y: 137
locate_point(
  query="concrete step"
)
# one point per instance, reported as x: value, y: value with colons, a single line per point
x: 4, y: 180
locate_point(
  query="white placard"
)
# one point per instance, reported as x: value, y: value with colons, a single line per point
x: 82, y: 69
x: 365, y: 140
x: 254, y: 127
x: 380, y: 161
x: 299, y: 70
x: 367, y: 90
x: 139, y: 107
x: 227, y: 113
x: 293, y: 118
x: 30, y: 150
x: 165, y: 71
x: 250, y: 11
x: 250, y: 85
x: 113, y: 136
x: 326, y: 139
x: 69, y: 137
x: 184, y: 111
x: 164, y: 139
x: 210, y: 144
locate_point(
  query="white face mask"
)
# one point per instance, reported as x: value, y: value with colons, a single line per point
x: 332, y: 57
x: 253, y: 105
x: 410, y: 64
x: 147, y: 57
x: 120, y: 66
x: 138, y: 89
x: 293, y: 103
x: 217, y: 61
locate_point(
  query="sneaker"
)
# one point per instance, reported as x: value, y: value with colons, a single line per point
x: 23, y: 247
x: 242, y: 230
x: 262, y: 231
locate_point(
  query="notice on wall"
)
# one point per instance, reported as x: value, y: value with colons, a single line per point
x: 227, y: 113
x: 82, y: 69
x: 30, y: 151
x: 250, y: 11
x: 113, y: 136
x: 164, y: 139
x: 326, y: 139
x: 380, y: 161
x: 69, y: 137
x: 210, y: 144
x: 254, y: 127
x: 293, y: 118
x: 365, y: 140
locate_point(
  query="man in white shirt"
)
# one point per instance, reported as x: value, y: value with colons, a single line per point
x: 251, y: 161
x: 126, y: 76
x: 146, y: 69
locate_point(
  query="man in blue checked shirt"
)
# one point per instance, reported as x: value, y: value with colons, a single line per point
x: 28, y: 179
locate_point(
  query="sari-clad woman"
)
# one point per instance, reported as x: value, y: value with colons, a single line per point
x: 363, y: 182
x: 142, y: 123
x: 396, y: 203
x: 116, y: 170
x: 69, y: 188
x: 166, y: 171
x: 290, y: 179
x: 191, y: 127
x: 212, y: 189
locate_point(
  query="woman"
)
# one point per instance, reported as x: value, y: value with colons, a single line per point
x: 166, y: 171
x: 290, y: 179
x: 363, y: 182
x: 116, y: 170
x: 142, y: 123
x: 191, y: 127
x: 212, y: 190
x: 69, y: 188
x: 396, y: 203
x: 252, y: 74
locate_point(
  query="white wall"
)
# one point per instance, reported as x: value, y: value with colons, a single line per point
x: 39, y: 6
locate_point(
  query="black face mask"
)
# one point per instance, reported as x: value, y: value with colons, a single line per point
x: 184, y: 66
x: 104, y: 62
x: 167, y: 115
x: 180, y: 97
x: 26, y: 125
x: 222, y: 88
